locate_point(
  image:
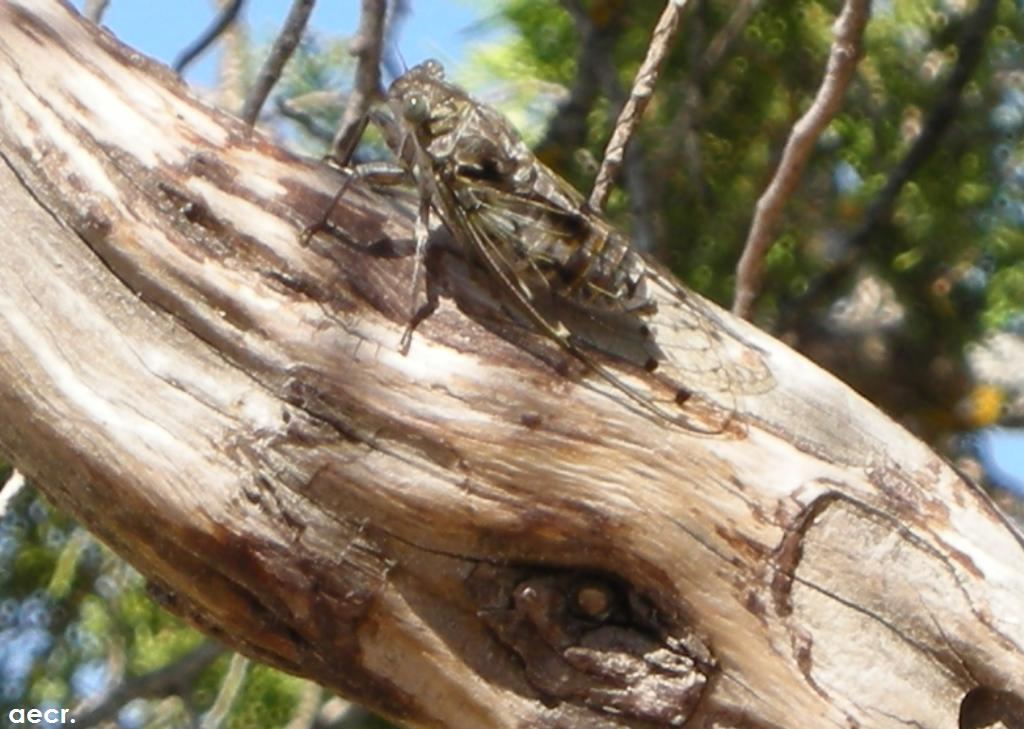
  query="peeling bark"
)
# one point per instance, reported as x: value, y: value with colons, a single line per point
x: 474, y: 534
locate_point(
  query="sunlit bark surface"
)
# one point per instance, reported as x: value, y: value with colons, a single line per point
x: 477, y: 533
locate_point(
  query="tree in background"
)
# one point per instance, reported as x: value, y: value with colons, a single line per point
x: 902, y: 246
x: 901, y: 251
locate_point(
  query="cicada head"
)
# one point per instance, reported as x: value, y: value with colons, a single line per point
x: 426, y: 107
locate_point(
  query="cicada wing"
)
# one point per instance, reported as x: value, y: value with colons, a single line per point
x: 477, y: 234
x: 695, y: 347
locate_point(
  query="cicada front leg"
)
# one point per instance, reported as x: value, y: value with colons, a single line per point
x: 386, y: 174
x: 375, y: 174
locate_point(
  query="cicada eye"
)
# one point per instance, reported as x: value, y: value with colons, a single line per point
x: 415, y: 110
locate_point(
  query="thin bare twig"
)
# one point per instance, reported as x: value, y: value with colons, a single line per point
x: 842, y: 62
x: 367, y: 47
x: 705, y: 59
x: 94, y: 10
x: 11, y: 488
x: 230, y: 685
x: 635, y: 178
x: 940, y: 118
x: 284, y: 45
x: 391, y: 60
x: 232, y: 77
x: 307, y: 707
x: 290, y: 110
x: 639, y: 96
x: 220, y: 24
x: 174, y: 677
x: 723, y: 40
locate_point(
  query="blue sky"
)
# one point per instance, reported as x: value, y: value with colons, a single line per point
x: 433, y: 29
x: 1002, y: 451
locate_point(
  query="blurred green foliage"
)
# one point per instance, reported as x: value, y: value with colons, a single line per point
x: 76, y: 621
x: 958, y: 211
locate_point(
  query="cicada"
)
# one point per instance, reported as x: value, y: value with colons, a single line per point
x: 530, y: 230
x: 526, y: 224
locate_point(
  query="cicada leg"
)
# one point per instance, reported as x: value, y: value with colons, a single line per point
x: 417, y: 315
x: 384, y: 174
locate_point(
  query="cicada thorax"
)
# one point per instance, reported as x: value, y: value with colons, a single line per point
x: 537, y: 225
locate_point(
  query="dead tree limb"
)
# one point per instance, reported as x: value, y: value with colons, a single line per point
x: 367, y: 47
x: 476, y: 534
x: 847, y: 49
x: 227, y: 15
x: 639, y: 97
x: 273, y: 65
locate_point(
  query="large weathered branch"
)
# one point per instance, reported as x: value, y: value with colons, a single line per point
x: 477, y: 534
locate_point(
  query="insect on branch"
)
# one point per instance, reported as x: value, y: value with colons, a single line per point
x: 565, y: 271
